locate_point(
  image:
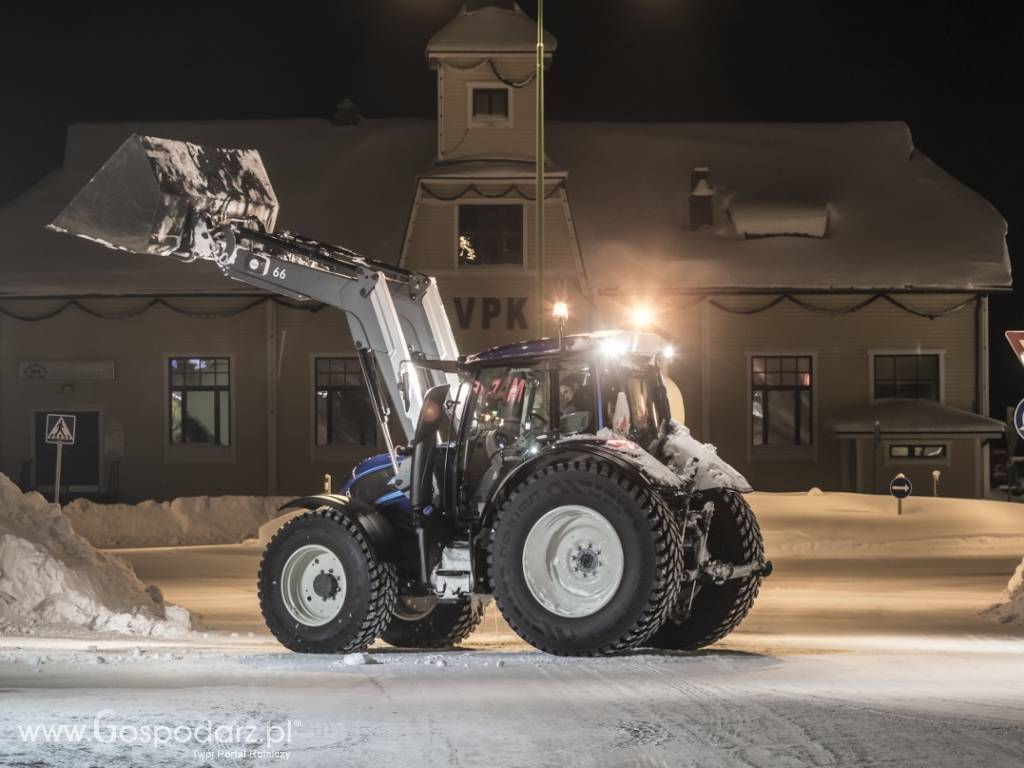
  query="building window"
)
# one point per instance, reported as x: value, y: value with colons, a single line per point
x: 200, y: 405
x: 936, y: 452
x: 781, y: 400
x: 490, y: 105
x: 344, y: 414
x: 490, y: 234
x: 911, y: 375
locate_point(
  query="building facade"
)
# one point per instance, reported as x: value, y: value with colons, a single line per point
x: 825, y: 287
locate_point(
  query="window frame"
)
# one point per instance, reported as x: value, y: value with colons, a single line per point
x: 315, y: 387
x: 873, y: 353
x: 488, y: 121
x: 909, y: 461
x: 777, y: 452
x: 461, y: 268
x: 186, y: 452
x: 333, y: 451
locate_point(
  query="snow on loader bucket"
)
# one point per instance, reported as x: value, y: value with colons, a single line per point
x: 147, y: 196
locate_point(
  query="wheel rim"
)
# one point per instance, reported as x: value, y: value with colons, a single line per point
x: 313, y: 585
x: 573, y: 561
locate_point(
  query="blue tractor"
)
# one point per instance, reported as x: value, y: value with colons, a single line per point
x: 547, y: 474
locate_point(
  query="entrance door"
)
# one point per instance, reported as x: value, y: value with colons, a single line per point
x: 80, y: 464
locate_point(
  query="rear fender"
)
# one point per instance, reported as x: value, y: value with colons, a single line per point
x: 374, y: 526
x: 684, y: 454
x: 556, y: 453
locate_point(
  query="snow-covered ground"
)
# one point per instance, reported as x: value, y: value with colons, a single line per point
x: 867, y: 647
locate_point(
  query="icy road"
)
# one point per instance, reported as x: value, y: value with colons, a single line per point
x: 858, y: 653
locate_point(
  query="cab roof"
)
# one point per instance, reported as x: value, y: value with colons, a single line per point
x: 615, y: 341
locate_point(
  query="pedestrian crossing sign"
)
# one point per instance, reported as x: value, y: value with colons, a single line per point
x: 60, y: 429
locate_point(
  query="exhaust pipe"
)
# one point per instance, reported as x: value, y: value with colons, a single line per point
x: 149, y: 195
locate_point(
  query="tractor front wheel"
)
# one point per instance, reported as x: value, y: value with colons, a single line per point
x: 322, y: 588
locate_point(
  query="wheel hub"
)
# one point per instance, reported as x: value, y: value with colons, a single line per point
x: 573, y: 561
x: 325, y: 585
x: 313, y: 585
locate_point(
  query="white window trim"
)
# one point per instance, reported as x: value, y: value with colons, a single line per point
x: 906, y: 351
x: 783, y: 452
x: 330, y: 452
x: 196, y: 452
x: 486, y: 268
x: 473, y: 121
x: 909, y: 462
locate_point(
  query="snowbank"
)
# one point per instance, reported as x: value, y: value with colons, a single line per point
x: 188, y: 520
x: 1011, y: 609
x: 53, y: 579
x: 849, y: 525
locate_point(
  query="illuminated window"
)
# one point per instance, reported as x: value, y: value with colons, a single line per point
x: 200, y: 402
x: 935, y: 452
x: 913, y: 376
x: 344, y: 415
x: 490, y: 234
x: 781, y: 388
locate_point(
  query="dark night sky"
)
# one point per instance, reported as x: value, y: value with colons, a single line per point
x: 950, y: 70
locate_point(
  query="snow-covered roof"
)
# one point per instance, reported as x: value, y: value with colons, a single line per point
x: 895, y: 220
x: 489, y: 28
x: 905, y: 417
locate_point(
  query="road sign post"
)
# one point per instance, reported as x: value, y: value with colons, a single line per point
x: 60, y: 431
x: 900, y: 487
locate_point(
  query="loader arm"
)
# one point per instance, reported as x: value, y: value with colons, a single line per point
x: 192, y: 203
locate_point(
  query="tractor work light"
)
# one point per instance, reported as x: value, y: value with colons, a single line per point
x: 641, y: 316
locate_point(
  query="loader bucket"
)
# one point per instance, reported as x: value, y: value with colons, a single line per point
x: 146, y: 195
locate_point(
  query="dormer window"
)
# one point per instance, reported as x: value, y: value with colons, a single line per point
x: 490, y: 105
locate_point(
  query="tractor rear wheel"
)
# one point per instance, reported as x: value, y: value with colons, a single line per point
x: 322, y: 588
x: 584, y: 560
x: 717, y: 609
x: 444, y: 625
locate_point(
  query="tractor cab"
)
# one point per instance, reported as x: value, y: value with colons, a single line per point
x: 517, y: 400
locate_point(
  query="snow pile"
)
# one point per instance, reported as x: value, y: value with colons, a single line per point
x: 188, y: 520
x: 848, y: 525
x: 51, y: 578
x: 1011, y: 608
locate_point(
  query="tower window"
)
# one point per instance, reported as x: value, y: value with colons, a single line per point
x: 490, y: 234
x: 490, y: 105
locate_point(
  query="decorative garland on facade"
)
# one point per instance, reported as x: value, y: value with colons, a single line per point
x: 494, y: 68
x: 475, y: 190
x: 157, y: 302
x: 317, y: 307
x: 845, y: 310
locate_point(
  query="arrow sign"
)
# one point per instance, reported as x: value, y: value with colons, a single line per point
x: 901, y: 487
x: 60, y: 429
x: 1016, y: 339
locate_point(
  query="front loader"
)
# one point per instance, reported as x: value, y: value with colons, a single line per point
x: 547, y: 474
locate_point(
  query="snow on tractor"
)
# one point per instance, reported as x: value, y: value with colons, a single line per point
x: 548, y: 474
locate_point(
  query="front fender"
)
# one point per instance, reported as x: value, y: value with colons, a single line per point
x: 374, y: 526
x: 684, y: 453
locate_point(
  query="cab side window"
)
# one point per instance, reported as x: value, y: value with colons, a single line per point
x: 576, y: 406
